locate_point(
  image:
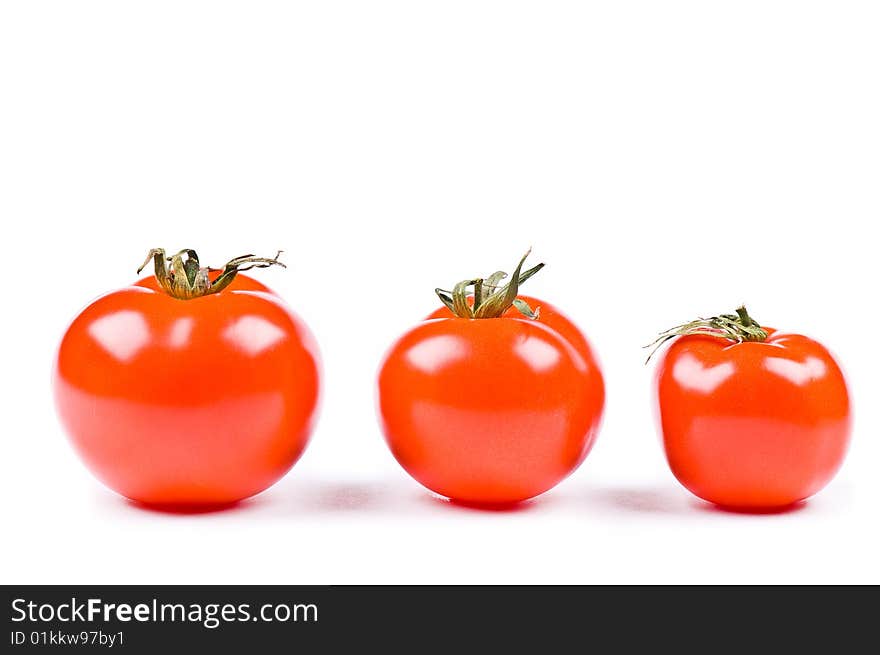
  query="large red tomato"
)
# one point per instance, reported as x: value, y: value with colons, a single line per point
x: 202, y: 401
x: 751, y: 418
x: 491, y: 410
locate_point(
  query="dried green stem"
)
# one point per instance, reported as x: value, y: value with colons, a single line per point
x: 736, y: 327
x: 490, y: 298
x: 186, y: 279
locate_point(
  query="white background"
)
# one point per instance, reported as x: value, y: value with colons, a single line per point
x: 666, y: 160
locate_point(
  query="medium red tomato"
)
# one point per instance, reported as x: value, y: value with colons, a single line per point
x: 495, y: 409
x: 194, y: 402
x: 751, y: 418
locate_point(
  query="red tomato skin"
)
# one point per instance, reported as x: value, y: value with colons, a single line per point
x: 488, y: 411
x: 187, y: 402
x: 755, y: 425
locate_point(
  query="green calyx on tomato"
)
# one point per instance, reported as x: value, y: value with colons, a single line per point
x: 187, y: 279
x: 490, y: 298
x: 736, y: 327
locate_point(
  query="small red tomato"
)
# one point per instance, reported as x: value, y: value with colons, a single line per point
x: 486, y: 406
x: 197, y: 389
x: 751, y: 418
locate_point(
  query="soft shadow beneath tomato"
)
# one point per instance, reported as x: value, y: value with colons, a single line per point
x: 754, y: 511
x: 502, y: 508
x: 640, y: 500
x: 190, y: 509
